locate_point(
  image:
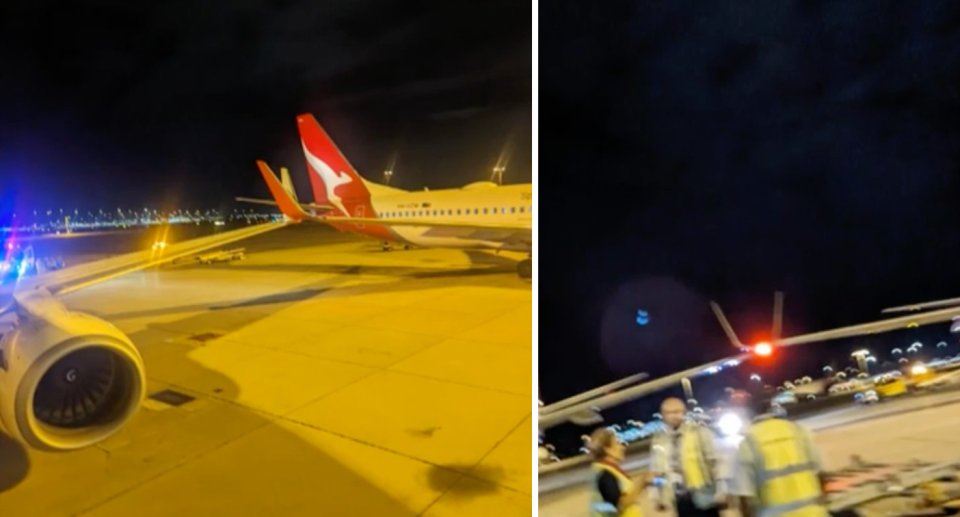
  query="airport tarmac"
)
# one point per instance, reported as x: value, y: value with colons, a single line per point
x: 898, y: 431
x: 320, y: 376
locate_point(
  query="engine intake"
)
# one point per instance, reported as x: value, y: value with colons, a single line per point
x: 68, y: 380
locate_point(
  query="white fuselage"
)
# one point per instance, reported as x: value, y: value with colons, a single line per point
x: 483, y: 203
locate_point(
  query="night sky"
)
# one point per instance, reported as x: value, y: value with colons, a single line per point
x: 168, y: 104
x: 724, y: 150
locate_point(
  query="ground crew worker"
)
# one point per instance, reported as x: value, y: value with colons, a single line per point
x: 613, y: 493
x: 683, y: 457
x: 778, y: 469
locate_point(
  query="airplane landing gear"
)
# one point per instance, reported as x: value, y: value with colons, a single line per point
x: 525, y: 269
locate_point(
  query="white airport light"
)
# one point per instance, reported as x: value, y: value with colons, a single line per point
x: 918, y: 369
x: 730, y: 424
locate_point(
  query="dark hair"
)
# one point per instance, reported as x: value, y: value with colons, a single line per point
x: 600, y: 439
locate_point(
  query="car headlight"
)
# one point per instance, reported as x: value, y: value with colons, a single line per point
x: 730, y: 424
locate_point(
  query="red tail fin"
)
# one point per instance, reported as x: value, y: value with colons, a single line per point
x: 333, y: 179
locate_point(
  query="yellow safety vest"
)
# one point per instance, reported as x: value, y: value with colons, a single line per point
x: 599, y: 507
x: 787, y: 482
x: 696, y: 474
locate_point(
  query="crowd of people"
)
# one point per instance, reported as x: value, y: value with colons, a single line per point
x: 774, y: 471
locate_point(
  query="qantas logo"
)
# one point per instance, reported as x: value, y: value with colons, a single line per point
x: 331, y: 179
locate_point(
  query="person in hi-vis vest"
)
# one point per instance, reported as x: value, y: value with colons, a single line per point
x: 691, y: 477
x: 778, y: 472
x: 613, y: 493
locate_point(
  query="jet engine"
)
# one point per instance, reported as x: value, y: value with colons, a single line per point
x: 68, y: 380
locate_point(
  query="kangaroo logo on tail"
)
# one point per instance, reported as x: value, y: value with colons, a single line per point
x: 334, y: 180
x: 331, y: 179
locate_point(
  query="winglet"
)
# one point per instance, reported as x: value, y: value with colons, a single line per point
x: 288, y: 183
x: 777, y: 316
x: 727, y: 328
x: 288, y: 206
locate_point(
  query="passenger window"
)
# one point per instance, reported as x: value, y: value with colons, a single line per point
x: 513, y: 209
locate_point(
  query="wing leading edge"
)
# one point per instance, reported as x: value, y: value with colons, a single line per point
x: 81, y: 276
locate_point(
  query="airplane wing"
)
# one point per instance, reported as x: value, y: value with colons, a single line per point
x: 912, y: 320
x: 483, y: 231
x: 582, y: 409
x: 569, y: 412
x: 47, y: 337
x: 592, y: 394
x: 923, y: 306
x: 887, y: 325
x: 78, y: 277
x: 270, y: 202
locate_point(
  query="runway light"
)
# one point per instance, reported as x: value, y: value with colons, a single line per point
x: 763, y: 349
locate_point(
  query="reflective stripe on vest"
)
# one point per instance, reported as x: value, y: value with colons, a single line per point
x: 696, y: 474
x: 598, y: 506
x: 787, y: 482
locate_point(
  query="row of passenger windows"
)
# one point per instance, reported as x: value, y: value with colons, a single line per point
x: 460, y: 211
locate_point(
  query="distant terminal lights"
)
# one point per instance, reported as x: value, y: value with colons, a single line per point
x: 120, y: 219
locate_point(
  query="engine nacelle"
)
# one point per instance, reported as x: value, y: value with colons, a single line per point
x: 68, y: 380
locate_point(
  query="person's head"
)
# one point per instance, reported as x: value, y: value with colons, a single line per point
x: 674, y: 411
x: 605, y: 445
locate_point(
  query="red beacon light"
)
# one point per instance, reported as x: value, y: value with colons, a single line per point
x: 763, y: 349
